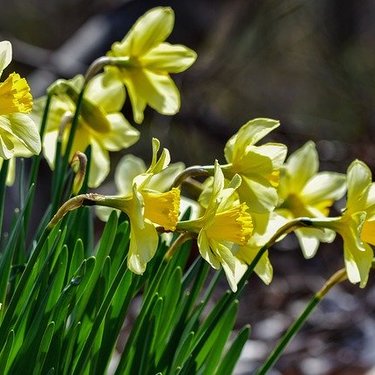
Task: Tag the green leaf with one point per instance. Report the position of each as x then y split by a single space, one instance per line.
115 318
77 258
43 348
210 353
230 359
6 350
105 245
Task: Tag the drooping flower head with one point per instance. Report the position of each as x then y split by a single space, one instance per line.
225 225
19 135
357 224
150 61
258 166
145 196
100 125
305 192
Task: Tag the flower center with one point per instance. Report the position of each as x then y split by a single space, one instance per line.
162 208
234 225
15 95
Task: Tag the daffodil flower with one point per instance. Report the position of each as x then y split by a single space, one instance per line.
145 198
357 224
225 225
257 165
19 135
305 192
101 124
149 61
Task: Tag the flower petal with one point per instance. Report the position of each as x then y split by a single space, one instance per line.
157 90
205 250
109 94
359 182
150 30
260 196
324 186
24 131
249 134
302 165
121 135
127 169
143 245
99 167
358 263
163 180
5 55
169 58
310 238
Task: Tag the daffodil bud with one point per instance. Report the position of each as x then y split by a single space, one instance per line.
78 164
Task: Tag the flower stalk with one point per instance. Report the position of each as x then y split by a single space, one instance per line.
335 279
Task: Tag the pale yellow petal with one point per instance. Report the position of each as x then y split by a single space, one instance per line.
99 167
26 131
205 250
122 134
5 55
49 147
249 134
260 196
359 181
358 262
150 30
157 90
137 102
310 238
163 180
142 248
127 169
263 268
302 165
324 186
169 58
109 94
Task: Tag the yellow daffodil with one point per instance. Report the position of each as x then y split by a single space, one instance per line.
145 198
257 165
149 61
225 225
19 135
305 192
357 224
101 124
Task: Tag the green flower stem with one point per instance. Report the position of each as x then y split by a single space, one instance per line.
8 314
101 62
37 159
3 178
89 199
60 169
36 163
181 239
193 171
291 226
336 278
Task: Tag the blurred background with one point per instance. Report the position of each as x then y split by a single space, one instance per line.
310 64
